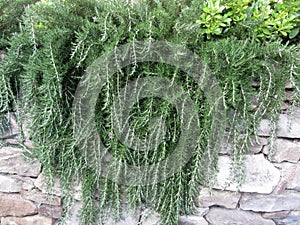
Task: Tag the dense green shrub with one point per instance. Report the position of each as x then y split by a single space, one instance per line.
10 17
59 39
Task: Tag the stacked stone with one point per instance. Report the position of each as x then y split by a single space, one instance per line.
24 198
270 194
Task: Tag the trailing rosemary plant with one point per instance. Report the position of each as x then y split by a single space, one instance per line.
59 39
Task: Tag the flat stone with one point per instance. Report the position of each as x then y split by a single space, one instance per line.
201 211
150 217
292 219
28 220
260 175
276 215
14 205
288 175
41 183
41 198
9 185
27 182
287 150
283 125
128 217
221 216
289 200
192 220
75 211
294 183
50 211
12 162
226 146
225 199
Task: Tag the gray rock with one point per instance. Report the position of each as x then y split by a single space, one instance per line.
287 150
128 217
289 200
260 175
292 219
283 124
225 199
12 162
201 211
28 220
150 217
192 220
294 183
220 216
290 177
41 183
75 211
9 185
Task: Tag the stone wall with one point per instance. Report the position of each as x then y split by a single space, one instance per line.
270 194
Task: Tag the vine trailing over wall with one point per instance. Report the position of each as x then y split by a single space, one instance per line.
58 40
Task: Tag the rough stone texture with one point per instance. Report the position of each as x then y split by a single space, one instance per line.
276 215
226 147
192 220
201 211
294 132
50 211
292 219
40 183
286 151
128 217
288 174
289 200
14 205
260 175
13 130
150 217
75 210
11 161
256 148
220 216
294 183
27 182
9 185
29 220
225 199
41 198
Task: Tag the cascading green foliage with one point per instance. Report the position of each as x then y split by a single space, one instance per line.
59 39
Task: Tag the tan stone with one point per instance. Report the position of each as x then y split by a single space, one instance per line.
276 215
50 211
41 198
28 220
14 205
227 199
12 162
9 185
